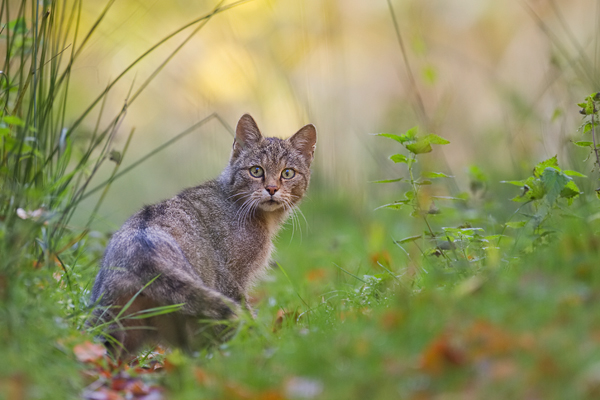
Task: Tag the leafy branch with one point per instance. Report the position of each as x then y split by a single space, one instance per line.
590 109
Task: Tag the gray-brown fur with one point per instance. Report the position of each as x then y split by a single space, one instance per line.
208 244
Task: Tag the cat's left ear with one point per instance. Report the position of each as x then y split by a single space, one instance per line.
246 134
305 141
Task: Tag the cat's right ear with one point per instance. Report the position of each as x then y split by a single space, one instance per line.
246 134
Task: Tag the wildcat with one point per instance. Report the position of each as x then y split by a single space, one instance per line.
205 247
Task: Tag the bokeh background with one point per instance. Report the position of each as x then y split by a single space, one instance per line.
499 79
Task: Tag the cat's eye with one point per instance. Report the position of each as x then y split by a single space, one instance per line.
256 171
288 173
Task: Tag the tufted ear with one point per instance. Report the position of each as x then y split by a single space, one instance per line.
246 135
305 141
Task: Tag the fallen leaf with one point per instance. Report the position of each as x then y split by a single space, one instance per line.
89 352
284 315
119 384
391 319
503 370
137 388
315 274
486 340
235 391
202 377
441 353
14 387
102 394
382 257
270 395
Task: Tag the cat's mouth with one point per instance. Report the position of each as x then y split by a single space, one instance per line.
270 205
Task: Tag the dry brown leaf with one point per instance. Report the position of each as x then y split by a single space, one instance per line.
440 354
315 274
391 319
89 352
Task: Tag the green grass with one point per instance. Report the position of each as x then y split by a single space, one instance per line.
525 326
346 312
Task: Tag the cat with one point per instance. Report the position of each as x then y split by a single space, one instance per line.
205 247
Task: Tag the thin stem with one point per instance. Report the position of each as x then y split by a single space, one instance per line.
594 136
411 77
416 205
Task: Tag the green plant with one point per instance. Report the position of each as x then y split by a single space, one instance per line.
544 191
590 110
462 245
49 155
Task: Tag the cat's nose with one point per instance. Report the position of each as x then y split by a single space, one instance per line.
271 189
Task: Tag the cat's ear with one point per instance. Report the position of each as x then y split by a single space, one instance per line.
246 134
305 141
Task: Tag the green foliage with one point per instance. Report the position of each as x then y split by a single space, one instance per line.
48 157
548 184
590 109
455 246
470 303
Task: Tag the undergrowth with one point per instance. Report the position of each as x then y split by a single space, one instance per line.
49 156
442 298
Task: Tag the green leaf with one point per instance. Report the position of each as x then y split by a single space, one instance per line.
583 144
409 239
419 147
409 136
399 158
463 196
516 224
388 180
397 138
423 145
475 173
554 182
12 120
17 25
516 183
588 126
433 175
435 139
570 191
569 172
4 132
13 145
551 162
395 205
533 189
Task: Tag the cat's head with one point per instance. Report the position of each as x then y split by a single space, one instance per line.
269 174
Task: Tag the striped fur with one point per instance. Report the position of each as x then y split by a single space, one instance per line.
207 245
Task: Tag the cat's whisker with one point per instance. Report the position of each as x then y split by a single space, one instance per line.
289 209
303 216
243 211
292 210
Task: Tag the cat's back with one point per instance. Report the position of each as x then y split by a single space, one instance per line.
190 212
186 226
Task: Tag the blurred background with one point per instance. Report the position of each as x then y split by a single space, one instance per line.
500 80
